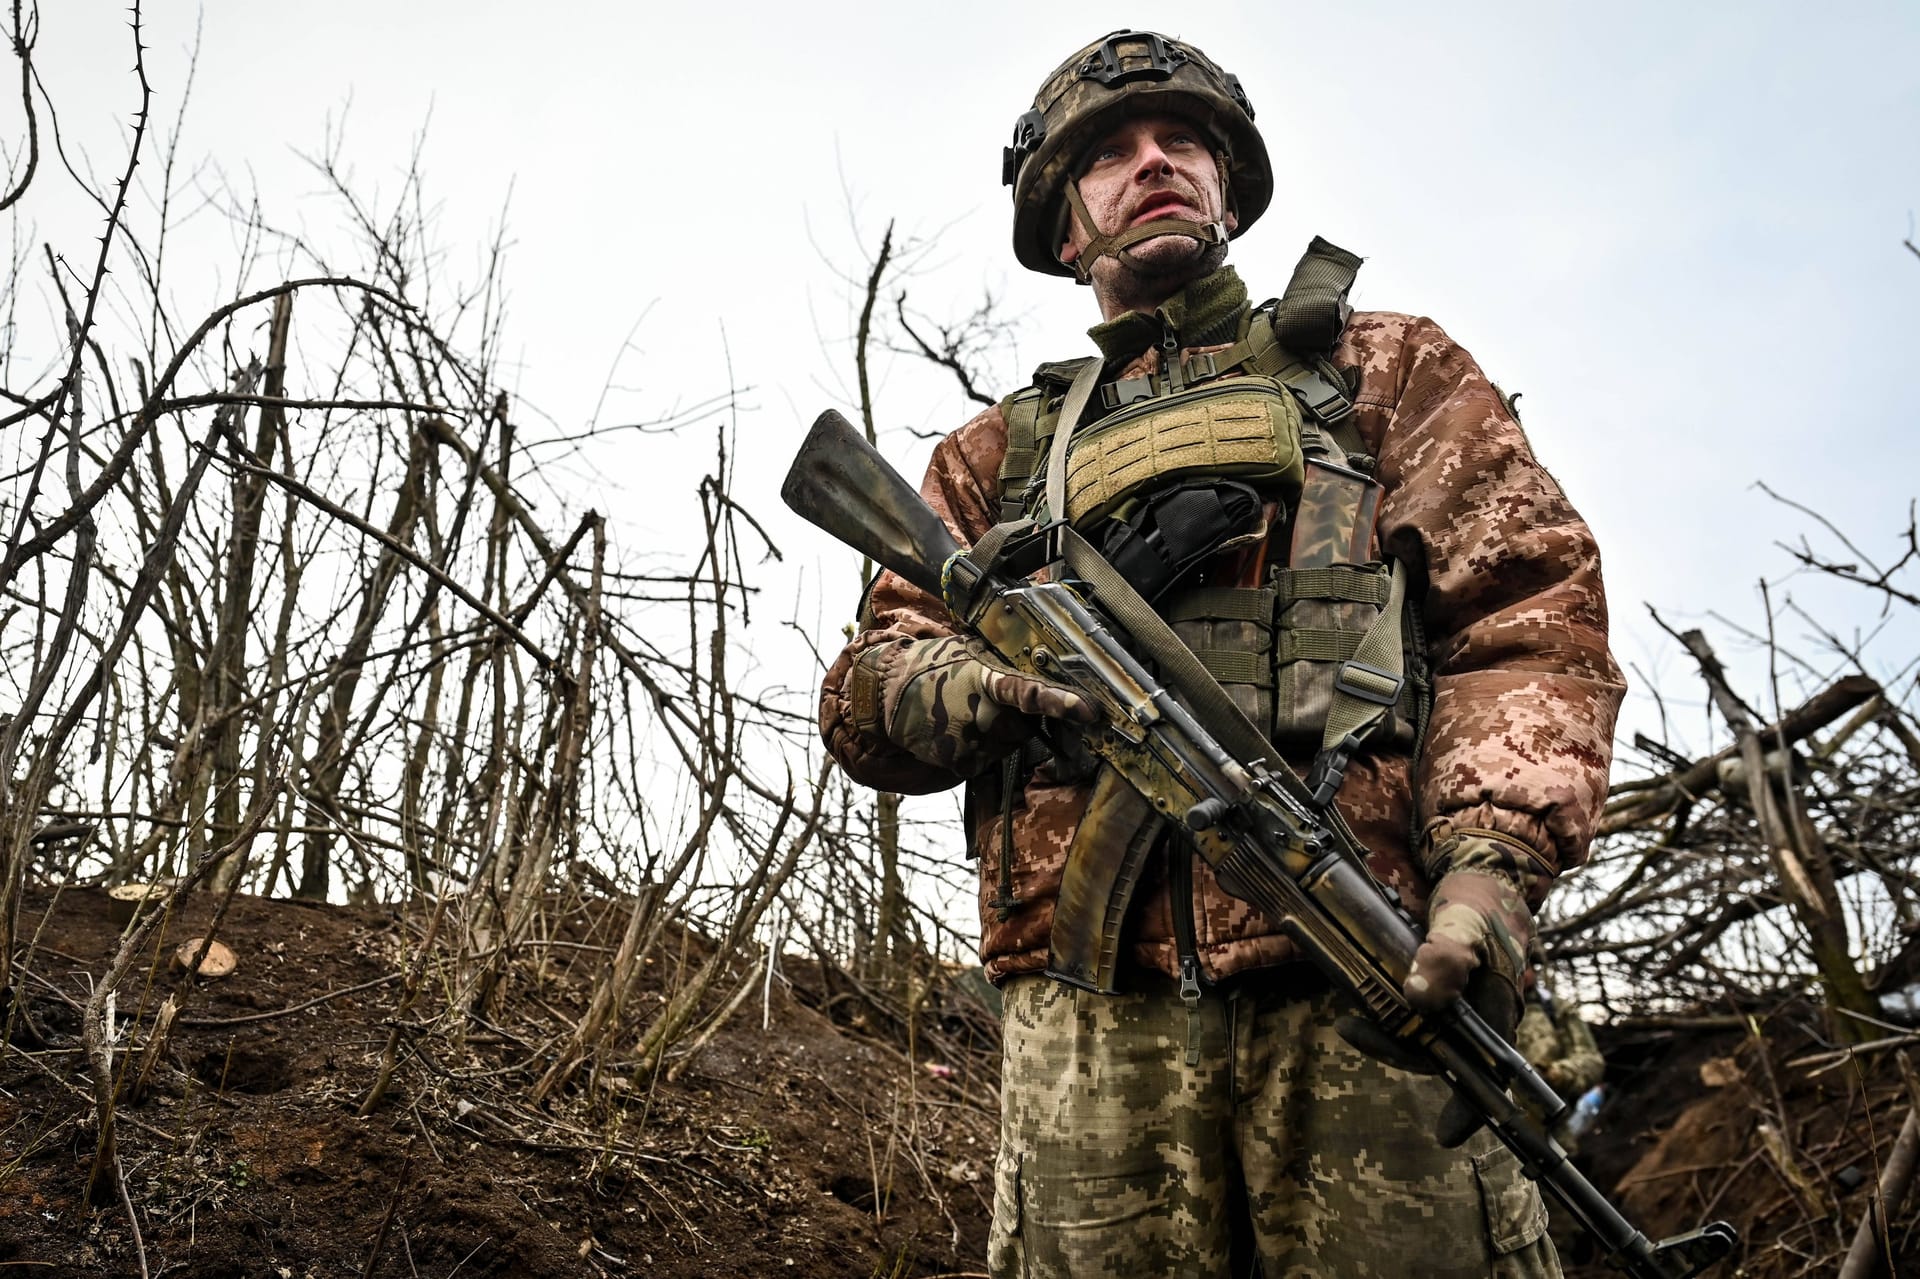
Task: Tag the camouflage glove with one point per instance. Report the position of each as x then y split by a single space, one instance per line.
951 702
1478 926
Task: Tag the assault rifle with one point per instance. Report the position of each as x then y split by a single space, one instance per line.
1268 840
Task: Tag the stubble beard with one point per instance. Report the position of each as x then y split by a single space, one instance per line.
1142 277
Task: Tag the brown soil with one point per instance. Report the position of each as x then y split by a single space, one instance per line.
767 1156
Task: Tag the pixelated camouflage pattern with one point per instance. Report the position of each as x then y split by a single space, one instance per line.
1525 689
1077 110
1559 1044
1120 1160
1204 633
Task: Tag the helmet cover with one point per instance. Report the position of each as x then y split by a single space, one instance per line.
1121 76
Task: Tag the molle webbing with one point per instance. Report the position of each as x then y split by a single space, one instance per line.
1239 428
1356 583
1229 603
1033 415
1338 657
1230 629
1030 415
1021 413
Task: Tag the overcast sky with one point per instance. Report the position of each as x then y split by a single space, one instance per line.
1676 229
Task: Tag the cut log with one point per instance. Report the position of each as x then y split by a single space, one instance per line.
219 961
125 900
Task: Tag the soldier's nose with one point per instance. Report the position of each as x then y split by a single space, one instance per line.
1153 161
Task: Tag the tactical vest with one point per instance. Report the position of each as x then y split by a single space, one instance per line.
1293 651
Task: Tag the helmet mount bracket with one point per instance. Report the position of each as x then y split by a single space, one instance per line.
1103 65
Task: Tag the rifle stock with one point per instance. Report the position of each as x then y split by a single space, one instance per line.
840 483
1268 842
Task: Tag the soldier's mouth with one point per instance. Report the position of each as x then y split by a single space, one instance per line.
1160 206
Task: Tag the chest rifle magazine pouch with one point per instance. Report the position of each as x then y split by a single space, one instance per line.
1328 595
1231 630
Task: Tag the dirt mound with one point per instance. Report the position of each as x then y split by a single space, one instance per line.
1775 1132
815 1147
803 1149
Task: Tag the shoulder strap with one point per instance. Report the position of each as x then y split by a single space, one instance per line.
1070 413
1288 338
1029 425
1369 682
1021 410
1316 383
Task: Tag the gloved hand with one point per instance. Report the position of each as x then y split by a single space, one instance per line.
953 703
1478 927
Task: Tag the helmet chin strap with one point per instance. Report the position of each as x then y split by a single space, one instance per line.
1117 244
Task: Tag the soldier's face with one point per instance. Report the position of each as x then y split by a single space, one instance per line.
1148 168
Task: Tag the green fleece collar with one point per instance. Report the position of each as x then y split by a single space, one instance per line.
1206 312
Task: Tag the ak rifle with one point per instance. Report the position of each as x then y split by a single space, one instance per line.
1254 821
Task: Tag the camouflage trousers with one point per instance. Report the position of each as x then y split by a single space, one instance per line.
1281 1153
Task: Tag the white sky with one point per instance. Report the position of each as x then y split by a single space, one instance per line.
1676 228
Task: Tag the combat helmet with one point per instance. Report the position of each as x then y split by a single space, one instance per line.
1122 75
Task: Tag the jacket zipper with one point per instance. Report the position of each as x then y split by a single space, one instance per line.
1181 890
1170 358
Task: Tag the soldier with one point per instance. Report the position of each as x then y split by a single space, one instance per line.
1556 1041
1340 515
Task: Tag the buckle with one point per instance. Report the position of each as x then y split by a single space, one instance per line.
1330 769
1368 683
1327 402
1121 392
1031 550
1201 367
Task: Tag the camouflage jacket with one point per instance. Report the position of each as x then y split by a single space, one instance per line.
1526 691
1557 1042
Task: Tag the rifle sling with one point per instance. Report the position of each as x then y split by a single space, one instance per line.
1202 693
1190 678
1097 886
1074 408
1120 827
